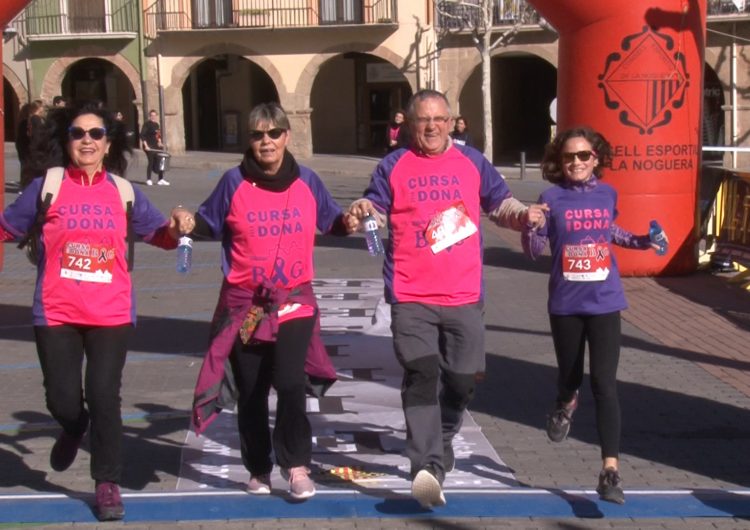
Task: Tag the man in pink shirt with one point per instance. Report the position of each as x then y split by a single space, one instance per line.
432 194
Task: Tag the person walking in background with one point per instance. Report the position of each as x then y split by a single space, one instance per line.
83 304
460 133
151 143
58 101
585 291
397 122
432 195
265 211
29 126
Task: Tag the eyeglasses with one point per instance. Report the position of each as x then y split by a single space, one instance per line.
273 134
583 156
421 120
95 133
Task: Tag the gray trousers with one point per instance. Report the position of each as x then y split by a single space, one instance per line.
440 348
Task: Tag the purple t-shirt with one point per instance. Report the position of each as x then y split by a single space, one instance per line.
412 189
579 227
268 234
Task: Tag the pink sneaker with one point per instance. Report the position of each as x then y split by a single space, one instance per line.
259 484
109 502
300 484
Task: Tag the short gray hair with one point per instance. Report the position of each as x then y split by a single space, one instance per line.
268 113
422 95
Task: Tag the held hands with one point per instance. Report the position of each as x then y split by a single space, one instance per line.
358 210
535 215
181 222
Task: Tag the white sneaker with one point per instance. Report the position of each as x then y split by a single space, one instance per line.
427 490
149 183
163 182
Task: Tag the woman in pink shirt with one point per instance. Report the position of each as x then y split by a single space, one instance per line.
84 299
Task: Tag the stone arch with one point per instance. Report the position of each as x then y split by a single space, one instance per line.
307 78
56 73
16 84
182 69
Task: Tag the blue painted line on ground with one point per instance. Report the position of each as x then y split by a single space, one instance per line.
513 502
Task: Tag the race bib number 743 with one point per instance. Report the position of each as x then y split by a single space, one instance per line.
588 262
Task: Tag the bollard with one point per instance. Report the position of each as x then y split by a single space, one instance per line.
523 164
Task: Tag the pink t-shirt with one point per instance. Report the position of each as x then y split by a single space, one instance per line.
413 189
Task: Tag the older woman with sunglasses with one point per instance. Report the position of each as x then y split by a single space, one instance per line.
84 299
585 291
266 211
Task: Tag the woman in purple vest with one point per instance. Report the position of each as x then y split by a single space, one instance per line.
585 292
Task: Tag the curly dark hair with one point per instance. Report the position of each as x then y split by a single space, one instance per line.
49 147
551 161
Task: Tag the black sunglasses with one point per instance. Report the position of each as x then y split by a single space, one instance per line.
273 134
583 156
95 133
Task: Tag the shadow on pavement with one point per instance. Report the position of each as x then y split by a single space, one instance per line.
677 430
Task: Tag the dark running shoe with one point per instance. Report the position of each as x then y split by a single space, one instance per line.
64 451
610 486
558 422
109 502
427 490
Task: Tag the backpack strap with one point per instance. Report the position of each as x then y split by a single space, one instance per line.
50 188
127 196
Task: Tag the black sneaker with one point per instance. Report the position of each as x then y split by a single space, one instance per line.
610 486
449 458
427 490
558 422
64 451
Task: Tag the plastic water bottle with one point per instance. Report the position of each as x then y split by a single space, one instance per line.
657 236
184 255
372 235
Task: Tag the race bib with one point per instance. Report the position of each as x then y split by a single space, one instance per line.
87 263
588 262
449 227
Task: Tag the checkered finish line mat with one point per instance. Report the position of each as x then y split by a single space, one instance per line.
358 428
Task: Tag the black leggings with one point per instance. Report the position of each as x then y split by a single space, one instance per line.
61 350
256 368
602 332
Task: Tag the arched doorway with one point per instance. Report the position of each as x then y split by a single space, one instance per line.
10 110
367 91
100 80
523 86
218 96
713 115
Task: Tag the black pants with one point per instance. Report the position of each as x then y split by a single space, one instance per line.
602 332
61 351
256 368
150 156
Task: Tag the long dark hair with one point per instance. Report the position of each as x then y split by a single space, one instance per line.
49 147
551 162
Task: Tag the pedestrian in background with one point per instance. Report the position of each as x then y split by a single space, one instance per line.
585 291
460 133
265 212
394 127
30 125
151 143
432 195
83 304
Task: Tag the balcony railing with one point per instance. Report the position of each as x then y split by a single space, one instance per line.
728 7
47 19
460 16
206 14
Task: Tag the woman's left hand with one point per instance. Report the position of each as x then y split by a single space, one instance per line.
351 222
181 222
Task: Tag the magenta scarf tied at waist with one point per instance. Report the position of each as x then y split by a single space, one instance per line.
215 388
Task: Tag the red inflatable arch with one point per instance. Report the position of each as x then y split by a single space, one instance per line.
633 69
